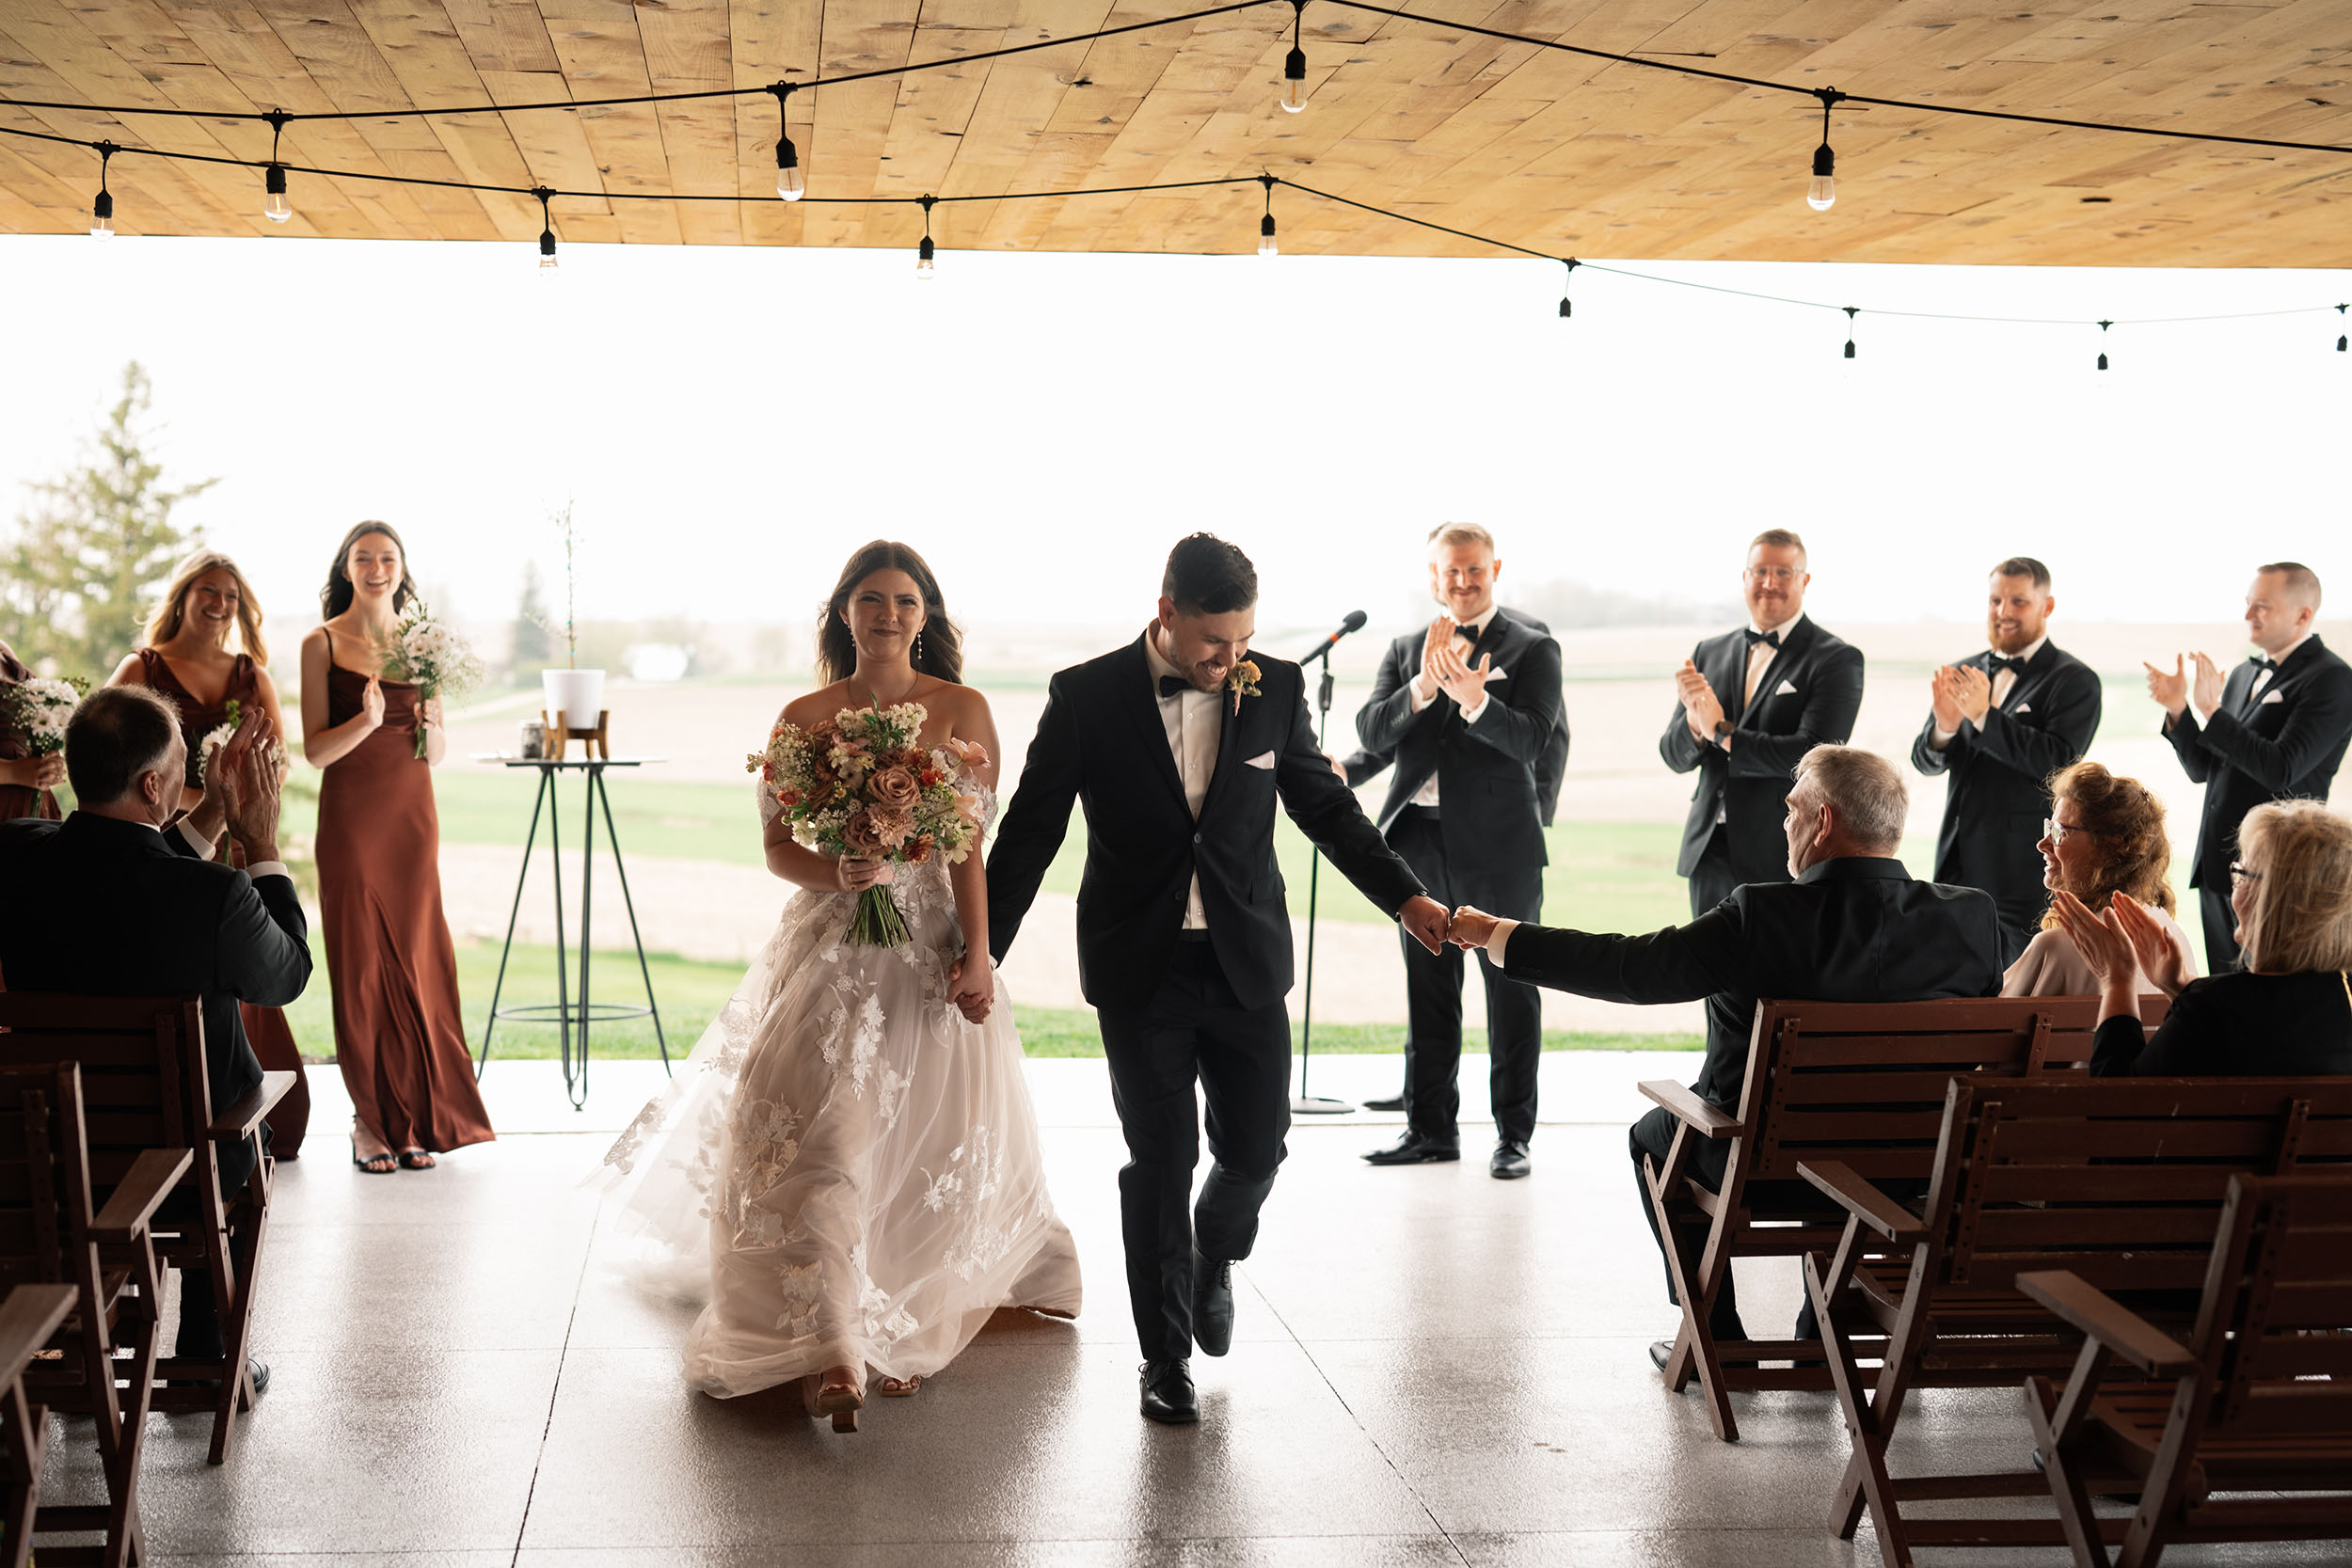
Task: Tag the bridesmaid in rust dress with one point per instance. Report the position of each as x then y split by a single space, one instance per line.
26 782
399 1035
185 655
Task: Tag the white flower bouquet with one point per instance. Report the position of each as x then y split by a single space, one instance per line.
42 708
427 655
859 785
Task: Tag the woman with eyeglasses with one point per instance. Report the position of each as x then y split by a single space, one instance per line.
2288 1013
2104 835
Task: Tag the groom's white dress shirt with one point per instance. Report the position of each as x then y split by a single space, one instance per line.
1192 726
1476 627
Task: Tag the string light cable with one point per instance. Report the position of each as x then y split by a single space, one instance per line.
275 206
1852 311
923 269
1265 226
101 211
546 232
791 184
1294 63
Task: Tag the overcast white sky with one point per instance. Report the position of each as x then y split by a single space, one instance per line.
730 422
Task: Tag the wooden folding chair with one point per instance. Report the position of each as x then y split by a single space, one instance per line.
1861 1083
30 1316
2120 1179
143 1076
49 1237
2254 1402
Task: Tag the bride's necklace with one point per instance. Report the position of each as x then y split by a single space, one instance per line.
873 695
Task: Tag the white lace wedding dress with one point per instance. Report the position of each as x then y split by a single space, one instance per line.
846 1172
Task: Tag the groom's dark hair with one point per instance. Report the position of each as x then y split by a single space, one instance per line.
1206 576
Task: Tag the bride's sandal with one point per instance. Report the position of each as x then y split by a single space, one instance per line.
841 1401
901 1387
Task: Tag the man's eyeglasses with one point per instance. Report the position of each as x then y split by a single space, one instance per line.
1773 573
2239 875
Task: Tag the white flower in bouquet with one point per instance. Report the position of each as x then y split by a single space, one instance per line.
41 710
217 737
427 655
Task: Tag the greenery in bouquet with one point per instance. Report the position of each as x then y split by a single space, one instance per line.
426 653
859 785
41 709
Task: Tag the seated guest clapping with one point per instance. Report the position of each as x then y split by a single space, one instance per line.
2288 1013
120 899
1853 926
2105 835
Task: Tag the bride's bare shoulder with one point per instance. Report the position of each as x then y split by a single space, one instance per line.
815 707
957 703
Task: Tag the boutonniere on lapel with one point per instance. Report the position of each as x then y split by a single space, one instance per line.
1243 682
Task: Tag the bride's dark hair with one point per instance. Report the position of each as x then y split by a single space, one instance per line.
940 648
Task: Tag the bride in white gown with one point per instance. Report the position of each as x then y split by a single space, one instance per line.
846 1172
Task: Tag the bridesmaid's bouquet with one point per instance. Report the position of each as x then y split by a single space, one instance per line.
39 709
859 785
219 737
425 654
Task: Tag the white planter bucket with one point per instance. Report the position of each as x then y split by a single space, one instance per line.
577 694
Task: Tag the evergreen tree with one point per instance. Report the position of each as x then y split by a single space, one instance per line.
530 624
87 560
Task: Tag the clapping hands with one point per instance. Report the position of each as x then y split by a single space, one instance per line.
1701 708
2124 944
1441 661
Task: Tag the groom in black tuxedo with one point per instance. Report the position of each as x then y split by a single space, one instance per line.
1467 709
1178 746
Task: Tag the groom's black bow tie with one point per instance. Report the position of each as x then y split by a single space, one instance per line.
1995 664
2263 661
1174 686
1771 638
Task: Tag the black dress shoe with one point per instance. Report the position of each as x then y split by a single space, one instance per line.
1168 1396
1394 1102
1414 1150
1510 1161
1212 1304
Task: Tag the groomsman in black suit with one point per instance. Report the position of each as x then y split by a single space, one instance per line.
1751 704
2000 723
1467 708
2275 729
1179 746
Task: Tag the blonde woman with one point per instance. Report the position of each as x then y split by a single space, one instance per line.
203 649
2288 1013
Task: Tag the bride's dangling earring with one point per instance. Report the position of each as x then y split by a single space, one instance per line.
919 648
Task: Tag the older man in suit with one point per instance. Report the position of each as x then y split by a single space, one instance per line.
1751 703
1853 927
123 898
2001 723
2274 729
1467 709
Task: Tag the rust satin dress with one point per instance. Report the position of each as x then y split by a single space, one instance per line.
18 800
399 1035
265 1028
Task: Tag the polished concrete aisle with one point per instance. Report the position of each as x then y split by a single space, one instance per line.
1431 1366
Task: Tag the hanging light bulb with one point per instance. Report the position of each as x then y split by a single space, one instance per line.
1572 265
547 234
2102 344
1850 310
275 206
925 254
1822 195
1294 63
791 184
2342 341
101 211
1265 224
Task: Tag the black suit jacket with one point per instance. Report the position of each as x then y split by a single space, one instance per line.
1490 772
1101 743
104 908
1550 767
1848 930
1807 697
2000 791
2239 1025
2286 750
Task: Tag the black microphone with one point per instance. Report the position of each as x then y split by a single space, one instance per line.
1355 622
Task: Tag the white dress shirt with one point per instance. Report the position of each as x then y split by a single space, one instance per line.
2003 684
1193 725
1476 627
2262 676
204 848
1761 657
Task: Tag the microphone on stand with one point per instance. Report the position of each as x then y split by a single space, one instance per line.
1355 622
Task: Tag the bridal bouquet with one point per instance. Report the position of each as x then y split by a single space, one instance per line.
428 656
858 786
40 708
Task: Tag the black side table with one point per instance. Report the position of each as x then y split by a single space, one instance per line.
564 1012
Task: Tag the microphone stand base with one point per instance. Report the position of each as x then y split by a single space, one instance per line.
1317 1105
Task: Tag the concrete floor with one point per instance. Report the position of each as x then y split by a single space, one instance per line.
1431 1366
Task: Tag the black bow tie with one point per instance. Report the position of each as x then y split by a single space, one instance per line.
1174 686
1469 634
2263 661
1770 639
1995 664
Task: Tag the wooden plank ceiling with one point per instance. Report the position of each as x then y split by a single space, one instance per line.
1557 153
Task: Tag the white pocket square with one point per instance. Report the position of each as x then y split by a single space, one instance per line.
2022 707
1786 688
2270 697
1498 675
1263 759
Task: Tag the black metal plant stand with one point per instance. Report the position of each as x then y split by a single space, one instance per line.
564 1012
1306 1104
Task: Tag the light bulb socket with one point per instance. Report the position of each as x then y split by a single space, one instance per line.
273 181
1850 348
103 210
1824 161
1564 307
2103 361
547 242
1295 66
787 156
1265 227
2341 343
924 252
